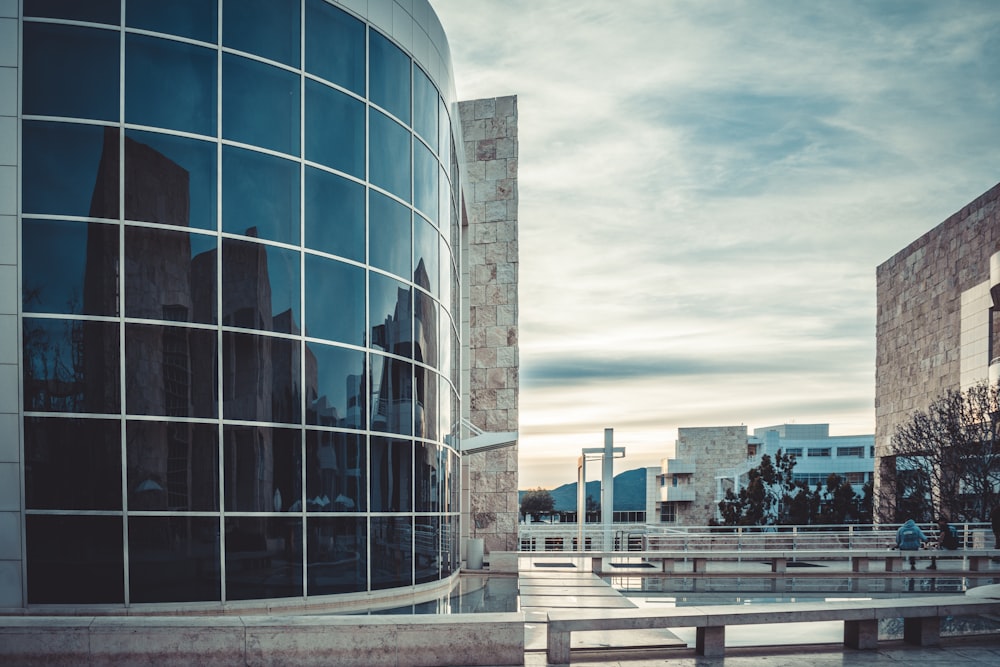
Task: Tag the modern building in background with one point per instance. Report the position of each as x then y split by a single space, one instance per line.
937 326
708 461
232 366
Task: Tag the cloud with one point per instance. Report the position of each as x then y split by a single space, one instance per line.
706 189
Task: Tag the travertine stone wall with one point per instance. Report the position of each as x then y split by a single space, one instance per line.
711 449
490 273
919 318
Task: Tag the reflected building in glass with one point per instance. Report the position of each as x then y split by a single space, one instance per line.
233 369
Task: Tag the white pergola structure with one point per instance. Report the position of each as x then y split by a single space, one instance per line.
606 454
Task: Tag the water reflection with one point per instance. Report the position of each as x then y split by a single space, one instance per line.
472 594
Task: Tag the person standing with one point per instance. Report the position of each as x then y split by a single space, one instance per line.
909 537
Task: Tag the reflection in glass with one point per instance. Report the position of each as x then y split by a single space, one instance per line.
335 472
169 275
170 180
335 46
339 144
426 548
72 464
389 155
425 254
260 195
56 255
444 340
75 559
450 560
444 200
335 300
392 551
94 11
196 19
389 76
390 312
335 386
260 286
71 366
444 135
263 469
335 215
392 395
391 474
425 180
70 71
428 478
172 466
444 273
425 330
263 557
62 161
389 235
260 104
173 559
260 378
425 418
425 108
170 371
188 103
338 555
268 28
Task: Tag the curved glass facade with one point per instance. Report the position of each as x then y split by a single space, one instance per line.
239 304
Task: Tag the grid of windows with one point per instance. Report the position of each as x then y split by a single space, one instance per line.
239 304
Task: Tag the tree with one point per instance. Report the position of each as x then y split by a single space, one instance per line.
537 502
767 494
947 459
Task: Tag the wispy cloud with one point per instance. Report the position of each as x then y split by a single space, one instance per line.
705 191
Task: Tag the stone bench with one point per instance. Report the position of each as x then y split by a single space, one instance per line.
921 620
412 640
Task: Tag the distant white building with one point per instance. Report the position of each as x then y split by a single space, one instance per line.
708 461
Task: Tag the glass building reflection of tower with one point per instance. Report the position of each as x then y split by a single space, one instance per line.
239 293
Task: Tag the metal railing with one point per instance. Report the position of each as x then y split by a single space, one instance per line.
657 537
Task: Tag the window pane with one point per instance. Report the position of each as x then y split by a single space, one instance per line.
72 464
425 108
75 559
392 551
390 312
260 286
260 378
444 200
263 557
263 469
335 386
169 275
392 395
173 559
335 300
61 260
260 195
389 82
444 274
170 371
335 472
425 254
425 330
188 103
444 344
268 28
173 466
338 554
335 129
428 478
390 155
425 423
426 548
389 242
71 366
425 180
70 71
70 169
444 132
335 46
335 215
260 105
196 19
391 475
170 180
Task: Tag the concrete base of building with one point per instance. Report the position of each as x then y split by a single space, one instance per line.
397 641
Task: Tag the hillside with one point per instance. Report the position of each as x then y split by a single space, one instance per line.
630 492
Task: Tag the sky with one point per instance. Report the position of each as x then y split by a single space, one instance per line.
705 190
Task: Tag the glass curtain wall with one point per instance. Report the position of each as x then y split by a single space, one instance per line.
239 304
